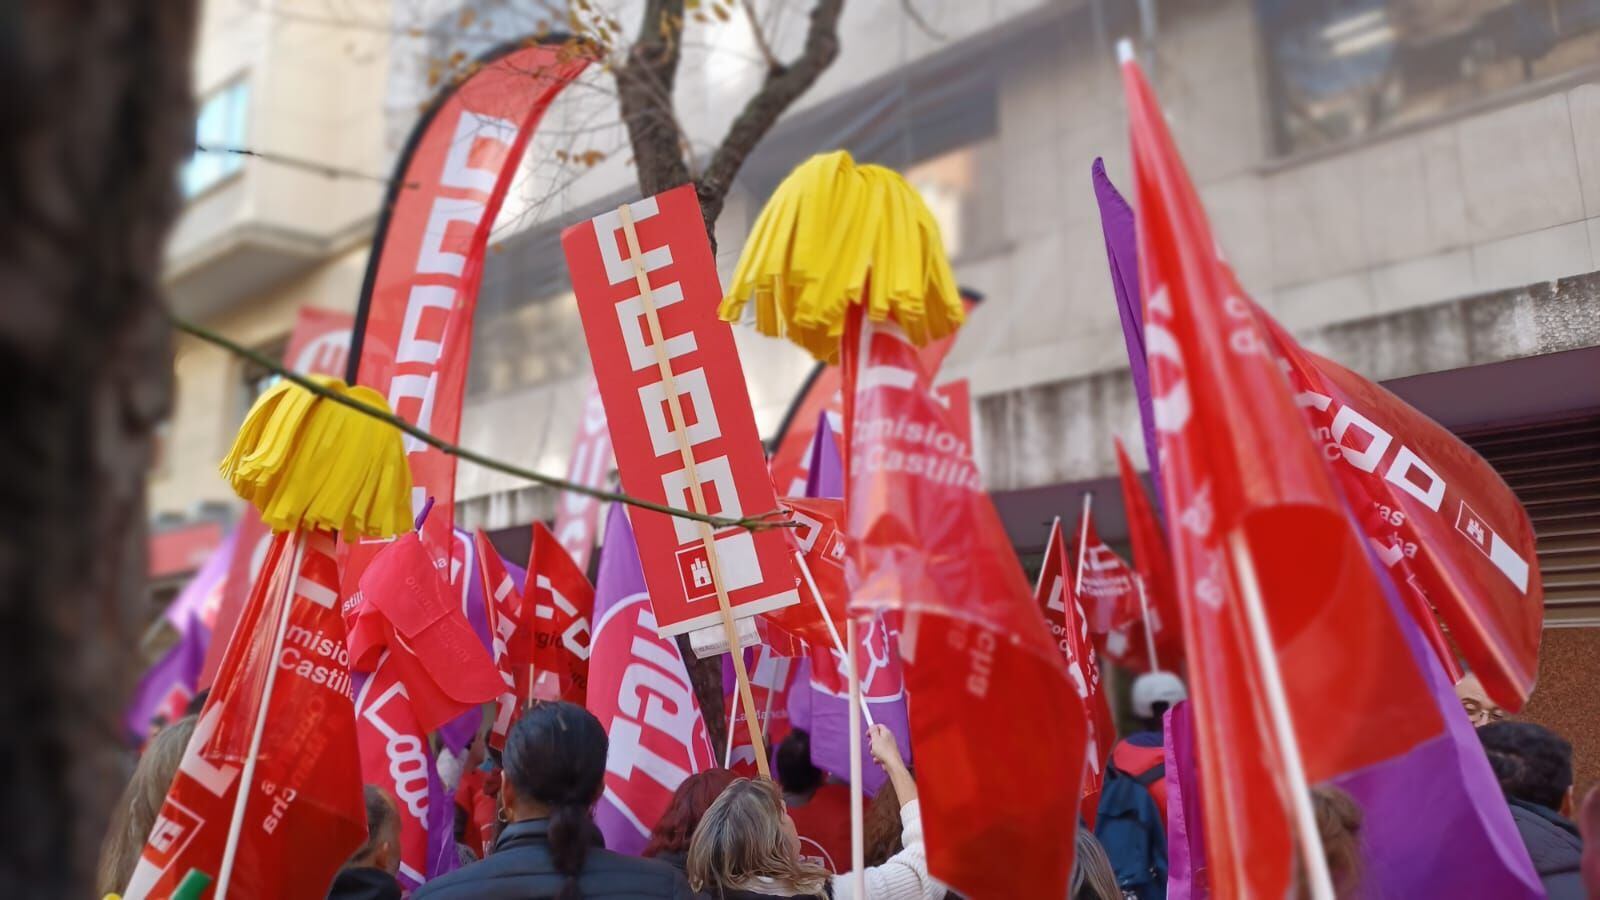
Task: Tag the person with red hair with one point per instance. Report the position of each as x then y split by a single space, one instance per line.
669 841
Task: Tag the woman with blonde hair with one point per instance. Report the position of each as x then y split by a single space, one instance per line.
135 814
746 846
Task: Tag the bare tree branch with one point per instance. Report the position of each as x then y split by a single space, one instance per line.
644 91
767 55
782 86
916 17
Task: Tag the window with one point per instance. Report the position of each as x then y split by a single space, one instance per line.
220 125
1341 69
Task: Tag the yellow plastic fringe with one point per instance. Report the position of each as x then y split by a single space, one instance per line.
306 461
834 234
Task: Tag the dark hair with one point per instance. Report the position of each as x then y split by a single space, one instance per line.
795 772
1532 763
556 755
197 703
689 804
383 820
881 827
1339 821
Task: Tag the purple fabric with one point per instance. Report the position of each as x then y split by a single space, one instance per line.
1436 823
179 669
826 716
458 732
825 475
187 608
442 856
1186 848
620 576
1121 233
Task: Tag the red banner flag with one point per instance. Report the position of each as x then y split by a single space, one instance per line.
578 515
414 332
394 756
820 543
405 607
991 696
509 630
304 814
1064 612
1298 667
561 602
771 677
319 344
1104 582
1152 563
1441 517
696 349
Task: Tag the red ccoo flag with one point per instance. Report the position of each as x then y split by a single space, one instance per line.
1152 563
513 646
1103 581
1064 612
305 815
1299 669
992 697
560 602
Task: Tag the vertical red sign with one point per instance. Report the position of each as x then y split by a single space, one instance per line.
718 423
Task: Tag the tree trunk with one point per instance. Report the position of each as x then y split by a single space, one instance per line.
98 116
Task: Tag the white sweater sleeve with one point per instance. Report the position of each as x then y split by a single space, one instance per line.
903 876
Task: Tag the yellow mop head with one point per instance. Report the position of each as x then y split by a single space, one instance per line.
308 462
835 234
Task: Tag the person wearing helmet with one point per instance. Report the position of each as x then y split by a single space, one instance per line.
1130 821
1140 755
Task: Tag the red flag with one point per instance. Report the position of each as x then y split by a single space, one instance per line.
560 601
1260 532
304 815
513 644
394 755
992 698
771 678
1063 610
1152 562
405 606
1104 582
820 543
1440 516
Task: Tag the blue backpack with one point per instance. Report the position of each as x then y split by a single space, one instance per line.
1128 824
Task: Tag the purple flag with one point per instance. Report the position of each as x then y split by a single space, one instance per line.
1436 823
442 856
1186 847
458 732
1122 252
826 715
170 682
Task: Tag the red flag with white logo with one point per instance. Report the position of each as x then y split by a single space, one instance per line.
304 815
560 601
405 607
1152 563
1064 612
1266 555
1440 517
395 757
1104 581
771 678
991 696
820 543
513 645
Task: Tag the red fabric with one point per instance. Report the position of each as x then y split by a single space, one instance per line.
821 544
1255 514
478 795
824 826
925 540
1136 761
1064 612
558 613
394 756
305 815
591 462
1152 563
1455 535
405 608
1105 584
509 629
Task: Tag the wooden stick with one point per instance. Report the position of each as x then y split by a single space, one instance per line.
1149 634
1311 850
1038 583
858 846
697 494
246 779
1083 544
833 630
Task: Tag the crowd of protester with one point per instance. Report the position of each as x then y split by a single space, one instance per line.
524 822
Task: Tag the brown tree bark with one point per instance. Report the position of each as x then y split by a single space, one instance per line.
98 116
644 88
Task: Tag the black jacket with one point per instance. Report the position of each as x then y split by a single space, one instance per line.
520 868
364 883
1554 846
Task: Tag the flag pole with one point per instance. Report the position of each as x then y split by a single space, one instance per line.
727 751
1144 613
858 852
1055 526
1083 544
247 777
696 491
833 630
1310 839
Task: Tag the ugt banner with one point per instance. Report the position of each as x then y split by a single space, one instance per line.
719 427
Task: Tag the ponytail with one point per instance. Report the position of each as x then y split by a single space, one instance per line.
572 832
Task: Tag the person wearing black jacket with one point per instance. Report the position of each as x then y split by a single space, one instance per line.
555 763
1534 767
